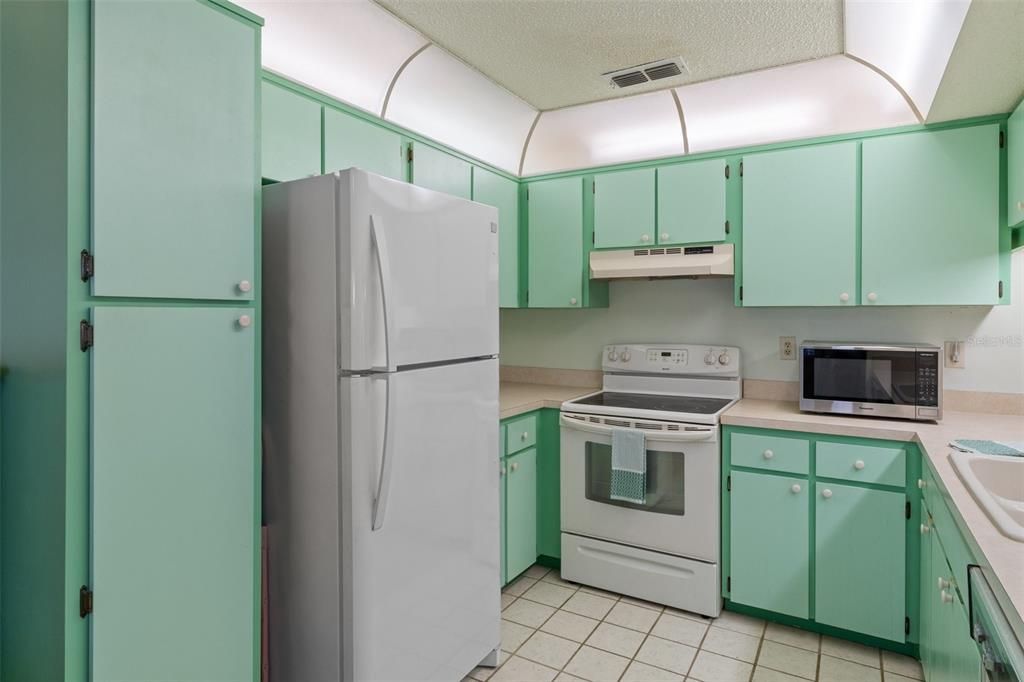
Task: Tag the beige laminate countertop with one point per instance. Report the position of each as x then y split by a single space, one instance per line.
516 398
1001 558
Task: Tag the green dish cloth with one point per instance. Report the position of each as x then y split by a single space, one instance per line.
989 447
629 466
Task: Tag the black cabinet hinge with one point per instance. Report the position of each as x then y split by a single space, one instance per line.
741 169
908 510
84 602
1002 139
906 625
85 334
408 154
741 293
728 583
593 186
1000 288
728 483
727 227
726 171
87 266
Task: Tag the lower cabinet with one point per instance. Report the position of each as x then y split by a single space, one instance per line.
520 512
826 546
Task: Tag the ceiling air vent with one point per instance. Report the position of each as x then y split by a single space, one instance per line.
644 73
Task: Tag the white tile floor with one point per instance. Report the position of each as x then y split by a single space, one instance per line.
555 630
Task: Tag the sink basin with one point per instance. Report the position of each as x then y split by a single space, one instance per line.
997 483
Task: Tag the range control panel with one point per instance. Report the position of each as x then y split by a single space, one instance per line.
672 358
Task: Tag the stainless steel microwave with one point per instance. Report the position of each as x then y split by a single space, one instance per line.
902 381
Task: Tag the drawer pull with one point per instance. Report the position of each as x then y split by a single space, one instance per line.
943 584
514 466
925 528
858 465
921 484
795 488
946 597
768 454
524 436
826 493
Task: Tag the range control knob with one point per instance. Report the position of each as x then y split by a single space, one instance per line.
612 355
625 355
709 357
724 359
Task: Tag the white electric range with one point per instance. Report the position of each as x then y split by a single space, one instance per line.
665 550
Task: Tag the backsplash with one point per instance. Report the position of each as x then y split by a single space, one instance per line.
701 311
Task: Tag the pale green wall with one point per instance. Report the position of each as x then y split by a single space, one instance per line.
701 311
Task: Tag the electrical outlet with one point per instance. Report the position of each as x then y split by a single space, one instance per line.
787 348
954 353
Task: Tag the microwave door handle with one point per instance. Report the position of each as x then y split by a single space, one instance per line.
387 457
679 437
380 250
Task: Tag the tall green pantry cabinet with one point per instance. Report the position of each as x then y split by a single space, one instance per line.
129 322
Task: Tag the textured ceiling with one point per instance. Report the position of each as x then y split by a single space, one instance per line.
985 74
552 52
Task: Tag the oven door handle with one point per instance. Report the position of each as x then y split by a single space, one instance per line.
675 436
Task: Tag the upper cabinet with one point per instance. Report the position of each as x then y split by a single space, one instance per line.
502 193
930 218
350 141
175 151
691 202
290 134
1015 167
556 243
440 171
624 209
800 227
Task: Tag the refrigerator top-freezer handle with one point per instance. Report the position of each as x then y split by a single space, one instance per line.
380 245
380 500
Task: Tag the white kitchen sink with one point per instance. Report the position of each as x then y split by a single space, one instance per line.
997 483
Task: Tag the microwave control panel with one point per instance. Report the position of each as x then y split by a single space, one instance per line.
928 379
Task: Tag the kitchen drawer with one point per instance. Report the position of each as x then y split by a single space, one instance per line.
520 433
773 453
881 464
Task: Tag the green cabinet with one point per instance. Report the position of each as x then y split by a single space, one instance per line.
174 527
624 209
350 141
768 548
1015 167
800 227
175 150
555 243
860 560
931 218
502 193
290 135
440 171
520 512
692 202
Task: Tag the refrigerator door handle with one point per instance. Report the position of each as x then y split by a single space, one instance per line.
380 244
380 500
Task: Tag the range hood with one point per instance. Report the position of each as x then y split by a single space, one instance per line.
672 261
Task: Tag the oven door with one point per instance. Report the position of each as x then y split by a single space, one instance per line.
680 515
876 381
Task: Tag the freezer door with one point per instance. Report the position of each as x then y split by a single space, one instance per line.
418 274
420 573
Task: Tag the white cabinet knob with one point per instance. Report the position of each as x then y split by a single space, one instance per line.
844 297
244 321
947 597
572 301
245 286
826 493
943 583
515 465
872 296
1020 205
921 484
524 436
501 471
664 236
795 488
925 528
858 465
768 454
645 238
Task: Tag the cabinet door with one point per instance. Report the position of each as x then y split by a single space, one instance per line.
175 176
931 636
930 218
624 209
492 189
520 512
964 657
860 560
349 141
442 172
555 243
1015 167
691 202
800 227
769 542
174 484
290 134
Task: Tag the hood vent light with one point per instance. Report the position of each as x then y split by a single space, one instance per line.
645 73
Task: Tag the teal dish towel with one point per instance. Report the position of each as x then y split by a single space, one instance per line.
989 447
629 466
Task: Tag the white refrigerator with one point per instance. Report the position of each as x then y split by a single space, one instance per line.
380 414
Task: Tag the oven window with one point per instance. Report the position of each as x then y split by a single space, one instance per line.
665 493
